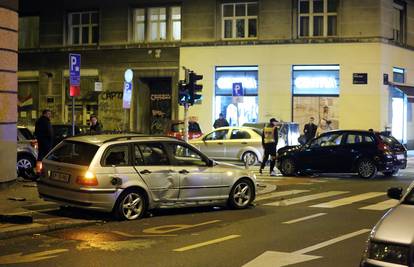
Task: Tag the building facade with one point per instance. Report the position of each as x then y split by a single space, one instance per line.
347 61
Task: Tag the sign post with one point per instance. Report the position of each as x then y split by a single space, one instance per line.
127 96
74 82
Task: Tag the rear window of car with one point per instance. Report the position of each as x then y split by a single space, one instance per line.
72 152
26 133
389 140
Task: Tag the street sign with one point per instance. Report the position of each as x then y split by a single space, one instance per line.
238 89
126 101
98 86
74 74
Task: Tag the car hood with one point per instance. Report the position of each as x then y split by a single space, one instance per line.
289 149
396 226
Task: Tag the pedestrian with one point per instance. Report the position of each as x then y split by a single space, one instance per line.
309 130
44 134
269 141
323 127
221 122
96 127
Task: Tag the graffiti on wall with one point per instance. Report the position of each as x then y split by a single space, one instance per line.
110 110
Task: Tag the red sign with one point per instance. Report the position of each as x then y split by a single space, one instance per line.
74 90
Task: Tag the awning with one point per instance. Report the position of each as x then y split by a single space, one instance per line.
406 89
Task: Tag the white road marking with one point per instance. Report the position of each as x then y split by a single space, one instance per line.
384 205
280 194
163 229
348 200
288 202
37 256
305 218
132 235
332 241
203 244
280 259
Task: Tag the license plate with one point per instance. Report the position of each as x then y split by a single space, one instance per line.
60 177
400 156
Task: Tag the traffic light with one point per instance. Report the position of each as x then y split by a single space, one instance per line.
193 87
183 93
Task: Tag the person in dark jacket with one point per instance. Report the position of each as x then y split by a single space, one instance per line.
309 130
95 127
44 134
270 138
221 122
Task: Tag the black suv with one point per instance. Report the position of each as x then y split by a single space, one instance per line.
345 151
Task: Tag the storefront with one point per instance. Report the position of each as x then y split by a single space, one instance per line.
236 94
315 93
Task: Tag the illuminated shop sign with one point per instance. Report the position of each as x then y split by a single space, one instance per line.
245 76
316 80
226 82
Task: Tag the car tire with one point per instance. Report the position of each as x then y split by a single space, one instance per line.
367 169
390 173
130 205
249 158
24 164
288 167
241 194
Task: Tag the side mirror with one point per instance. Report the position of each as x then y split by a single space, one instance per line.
395 193
210 163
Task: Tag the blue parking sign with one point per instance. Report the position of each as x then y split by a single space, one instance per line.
74 69
238 89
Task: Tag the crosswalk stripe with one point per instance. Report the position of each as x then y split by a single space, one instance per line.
288 202
348 200
305 218
384 205
280 194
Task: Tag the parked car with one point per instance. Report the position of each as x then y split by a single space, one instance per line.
26 151
62 131
345 151
128 174
232 143
289 132
176 129
391 240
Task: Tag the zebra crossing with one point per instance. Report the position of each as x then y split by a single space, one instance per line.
295 197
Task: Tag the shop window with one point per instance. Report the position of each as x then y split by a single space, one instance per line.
83 28
157 24
398 75
236 94
239 20
29 32
317 18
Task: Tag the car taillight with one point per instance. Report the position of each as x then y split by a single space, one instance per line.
33 143
383 147
88 179
39 167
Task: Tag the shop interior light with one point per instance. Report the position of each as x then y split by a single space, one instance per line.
398 70
237 68
316 67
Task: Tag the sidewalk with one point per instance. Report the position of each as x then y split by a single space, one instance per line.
23 212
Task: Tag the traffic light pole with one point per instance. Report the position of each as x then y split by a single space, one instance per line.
186 105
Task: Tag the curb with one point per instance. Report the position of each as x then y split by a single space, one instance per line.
37 228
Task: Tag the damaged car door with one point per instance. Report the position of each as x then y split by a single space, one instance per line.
153 165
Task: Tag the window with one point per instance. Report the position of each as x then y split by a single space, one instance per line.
239 20
157 24
28 32
184 156
398 75
73 153
153 154
327 140
116 156
359 138
317 18
83 28
398 26
217 135
239 134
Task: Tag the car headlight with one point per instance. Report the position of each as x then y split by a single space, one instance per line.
388 253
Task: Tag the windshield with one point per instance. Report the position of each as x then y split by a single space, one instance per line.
74 153
409 199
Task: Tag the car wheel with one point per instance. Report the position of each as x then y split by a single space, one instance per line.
249 158
131 205
241 195
24 164
288 167
367 169
390 173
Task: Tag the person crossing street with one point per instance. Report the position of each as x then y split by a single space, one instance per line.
269 141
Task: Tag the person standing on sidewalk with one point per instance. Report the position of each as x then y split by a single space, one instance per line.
269 141
96 127
44 134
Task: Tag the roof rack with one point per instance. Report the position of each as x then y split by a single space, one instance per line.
135 136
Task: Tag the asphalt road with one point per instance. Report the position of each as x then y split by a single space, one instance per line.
308 221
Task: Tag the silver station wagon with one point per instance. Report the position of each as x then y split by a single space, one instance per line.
128 174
